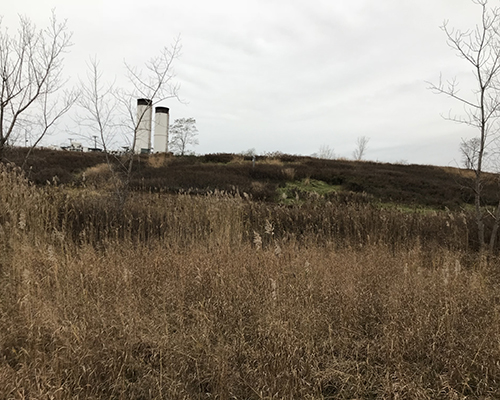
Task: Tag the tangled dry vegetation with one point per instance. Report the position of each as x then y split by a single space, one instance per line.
218 296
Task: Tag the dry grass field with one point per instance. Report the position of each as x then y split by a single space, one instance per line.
216 295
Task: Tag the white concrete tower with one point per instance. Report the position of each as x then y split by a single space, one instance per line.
143 128
161 129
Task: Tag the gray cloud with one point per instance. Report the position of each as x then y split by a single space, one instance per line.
287 76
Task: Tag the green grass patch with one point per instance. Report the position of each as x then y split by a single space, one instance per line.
294 192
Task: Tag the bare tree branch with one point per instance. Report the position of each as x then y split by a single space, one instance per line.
50 114
31 65
109 111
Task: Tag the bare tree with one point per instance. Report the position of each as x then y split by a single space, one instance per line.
480 48
31 65
183 133
361 147
100 107
470 153
325 152
108 111
100 115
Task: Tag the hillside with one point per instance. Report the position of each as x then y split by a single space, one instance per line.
322 289
272 178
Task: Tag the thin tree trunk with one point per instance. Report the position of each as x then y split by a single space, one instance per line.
494 231
2 149
496 224
479 212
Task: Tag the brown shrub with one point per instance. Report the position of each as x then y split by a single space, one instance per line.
159 160
98 176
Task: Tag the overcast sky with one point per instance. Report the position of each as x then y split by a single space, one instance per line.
288 76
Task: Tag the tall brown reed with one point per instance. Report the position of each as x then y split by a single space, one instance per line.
168 297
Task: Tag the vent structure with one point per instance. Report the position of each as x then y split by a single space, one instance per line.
161 129
144 124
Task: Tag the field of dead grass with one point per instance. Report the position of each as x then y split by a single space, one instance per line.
218 296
